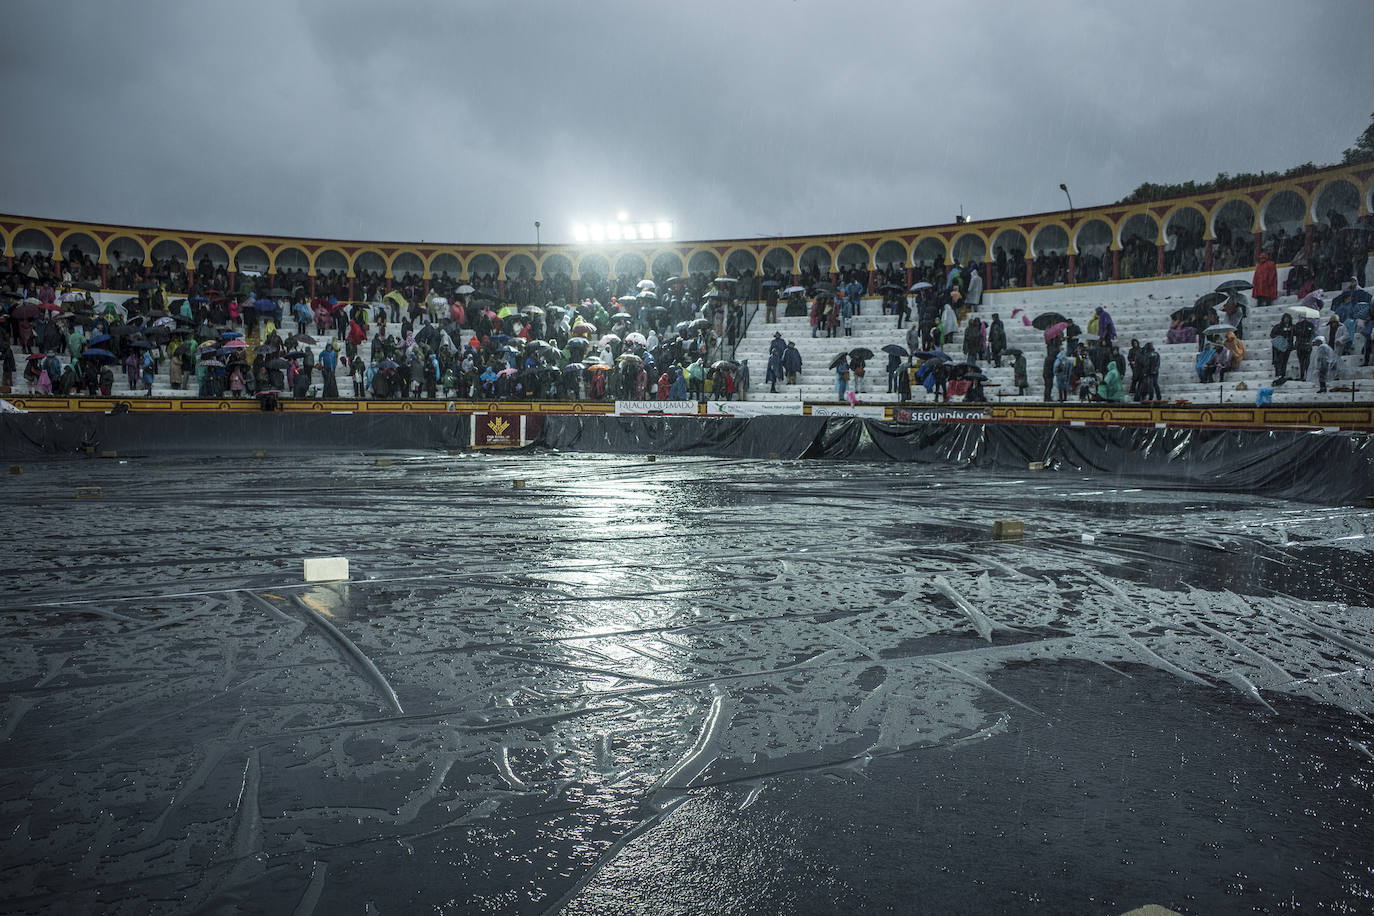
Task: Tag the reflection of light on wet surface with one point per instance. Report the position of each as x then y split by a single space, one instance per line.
626 662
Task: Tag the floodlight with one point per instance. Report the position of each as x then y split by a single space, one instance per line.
613 231
622 216
646 230
664 230
598 233
579 232
629 232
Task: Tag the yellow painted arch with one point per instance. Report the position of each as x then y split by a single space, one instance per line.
1131 214
1186 205
842 244
62 241
175 241
275 252
698 249
828 247
929 237
1255 209
1002 229
353 261
315 260
391 264
1334 179
878 245
725 260
473 255
224 246
453 252
236 249
26 225
1044 224
974 233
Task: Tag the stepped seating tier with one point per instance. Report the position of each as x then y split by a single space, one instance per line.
1146 319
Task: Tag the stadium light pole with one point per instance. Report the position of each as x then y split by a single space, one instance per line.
1065 188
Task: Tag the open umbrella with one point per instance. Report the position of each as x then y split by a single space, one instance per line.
231 335
1183 314
88 285
697 324
646 284
278 292
630 358
306 339
294 354
384 364
98 354
1044 320
1302 311
277 363
608 339
583 329
793 289
597 367
1233 286
917 287
895 350
930 354
714 294
1209 301
621 318
724 280
861 353
724 364
648 295
673 281
214 363
635 337
768 284
507 372
465 290
99 339
236 344
1221 328
1055 330
265 305
35 357
841 358
265 350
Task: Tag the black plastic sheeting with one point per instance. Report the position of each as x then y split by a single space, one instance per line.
1312 467
1328 468
735 437
58 434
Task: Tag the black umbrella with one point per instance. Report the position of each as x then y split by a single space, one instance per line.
277 363
1209 300
89 285
825 284
277 291
714 294
97 354
265 350
724 364
27 310
768 283
843 358
895 350
1183 314
725 280
1230 285
307 339
144 287
965 370
1043 322
294 354
891 288
861 353
698 323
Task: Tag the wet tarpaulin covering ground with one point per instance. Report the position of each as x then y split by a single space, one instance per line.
1315 466
687 686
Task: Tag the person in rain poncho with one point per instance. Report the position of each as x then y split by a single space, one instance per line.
1019 372
1265 282
1236 347
975 288
1110 389
329 364
1063 373
792 362
841 379
1326 364
1106 328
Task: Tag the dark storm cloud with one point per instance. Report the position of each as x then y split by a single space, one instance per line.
469 121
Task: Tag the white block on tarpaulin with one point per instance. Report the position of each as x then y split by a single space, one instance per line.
326 569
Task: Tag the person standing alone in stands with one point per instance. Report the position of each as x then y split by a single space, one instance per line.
1265 282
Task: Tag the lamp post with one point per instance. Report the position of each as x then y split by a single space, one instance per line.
1065 188
536 238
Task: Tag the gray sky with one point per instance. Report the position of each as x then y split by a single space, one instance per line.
454 121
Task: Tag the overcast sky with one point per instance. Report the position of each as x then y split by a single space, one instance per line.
458 121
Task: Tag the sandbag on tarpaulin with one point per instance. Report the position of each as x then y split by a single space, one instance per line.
756 437
227 434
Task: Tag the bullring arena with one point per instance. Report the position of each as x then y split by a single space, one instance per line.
584 646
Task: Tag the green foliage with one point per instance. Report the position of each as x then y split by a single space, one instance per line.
1362 151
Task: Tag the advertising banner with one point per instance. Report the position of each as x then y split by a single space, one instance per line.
639 408
938 414
754 408
867 411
